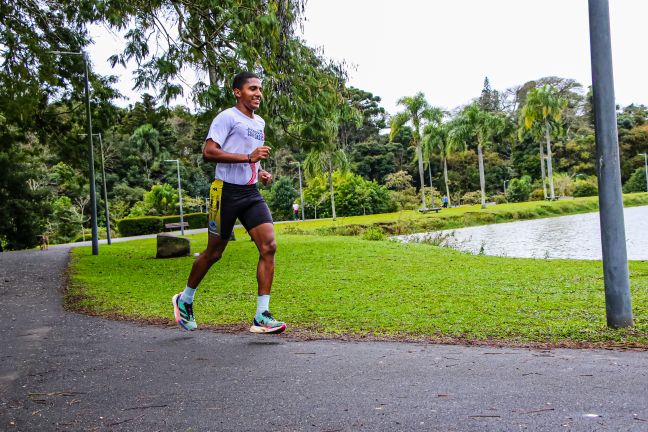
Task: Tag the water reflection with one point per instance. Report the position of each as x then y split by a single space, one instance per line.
576 237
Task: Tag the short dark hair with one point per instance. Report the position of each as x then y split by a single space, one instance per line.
241 78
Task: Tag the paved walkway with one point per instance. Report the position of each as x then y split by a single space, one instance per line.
62 371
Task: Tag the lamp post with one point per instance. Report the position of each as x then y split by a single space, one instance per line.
616 275
177 162
301 190
105 191
93 192
645 155
505 181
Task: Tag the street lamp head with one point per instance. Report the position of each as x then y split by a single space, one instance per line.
67 52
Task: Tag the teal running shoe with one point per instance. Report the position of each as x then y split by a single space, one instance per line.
265 323
183 313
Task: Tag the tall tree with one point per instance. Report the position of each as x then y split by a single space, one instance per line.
417 112
219 39
326 160
435 139
145 141
489 99
41 97
541 114
373 118
476 126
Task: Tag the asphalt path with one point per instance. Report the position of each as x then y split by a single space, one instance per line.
63 371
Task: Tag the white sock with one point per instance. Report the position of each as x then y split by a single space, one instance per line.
263 303
188 295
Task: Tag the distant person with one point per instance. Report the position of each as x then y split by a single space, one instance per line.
236 142
44 244
295 211
445 201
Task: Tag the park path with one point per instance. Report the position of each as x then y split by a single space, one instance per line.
63 371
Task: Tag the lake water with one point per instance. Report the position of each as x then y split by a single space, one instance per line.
575 237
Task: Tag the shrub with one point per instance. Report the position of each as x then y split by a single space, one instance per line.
374 233
585 187
138 226
536 194
406 199
292 229
499 198
563 184
636 182
471 198
519 189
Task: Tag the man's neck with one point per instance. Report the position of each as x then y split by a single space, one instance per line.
244 110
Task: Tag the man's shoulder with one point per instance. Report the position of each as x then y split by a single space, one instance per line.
226 113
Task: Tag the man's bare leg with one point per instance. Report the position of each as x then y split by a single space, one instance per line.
183 302
215 247
263 236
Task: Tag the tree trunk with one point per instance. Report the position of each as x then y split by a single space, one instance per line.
549 167
542 172
482 179
419 155
212 62
431 187
330 172
445 178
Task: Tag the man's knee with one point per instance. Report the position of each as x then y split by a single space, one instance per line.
268 248
213 255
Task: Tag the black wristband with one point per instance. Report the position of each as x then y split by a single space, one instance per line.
249 158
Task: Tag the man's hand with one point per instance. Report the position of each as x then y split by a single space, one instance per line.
260 153
265 177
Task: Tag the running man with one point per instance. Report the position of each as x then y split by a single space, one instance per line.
236 143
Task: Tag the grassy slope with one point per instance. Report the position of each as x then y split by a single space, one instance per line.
346 285
413 221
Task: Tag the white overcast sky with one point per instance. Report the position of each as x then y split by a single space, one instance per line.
445 48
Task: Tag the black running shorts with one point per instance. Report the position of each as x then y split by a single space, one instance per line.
230 201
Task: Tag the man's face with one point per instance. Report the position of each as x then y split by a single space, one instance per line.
250 95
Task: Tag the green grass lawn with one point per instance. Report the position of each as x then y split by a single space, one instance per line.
334 285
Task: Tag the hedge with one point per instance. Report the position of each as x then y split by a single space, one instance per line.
154 224
195 220
140 225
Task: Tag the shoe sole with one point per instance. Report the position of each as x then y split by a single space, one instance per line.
176 312
264 330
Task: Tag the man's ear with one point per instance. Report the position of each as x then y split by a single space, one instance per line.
237 93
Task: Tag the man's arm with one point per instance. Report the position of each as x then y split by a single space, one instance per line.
212 152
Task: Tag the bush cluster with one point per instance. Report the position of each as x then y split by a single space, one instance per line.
133 226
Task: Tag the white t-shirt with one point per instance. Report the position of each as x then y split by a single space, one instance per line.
237 133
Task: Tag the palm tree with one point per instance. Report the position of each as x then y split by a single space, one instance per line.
476 126
326 160
417 112
435 138
146 140
542 113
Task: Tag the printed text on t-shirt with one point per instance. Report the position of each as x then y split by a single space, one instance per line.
256 134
